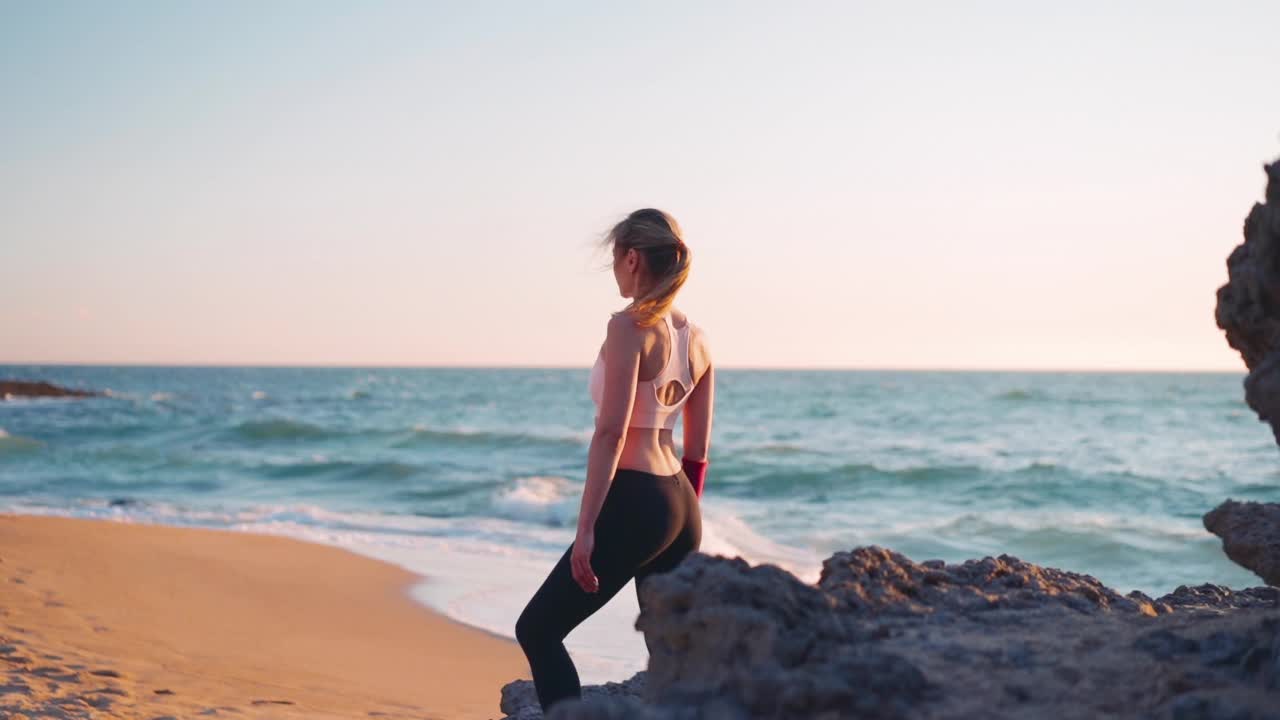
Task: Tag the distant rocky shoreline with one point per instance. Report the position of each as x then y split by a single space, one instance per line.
10 389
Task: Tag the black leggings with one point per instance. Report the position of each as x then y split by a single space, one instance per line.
647 525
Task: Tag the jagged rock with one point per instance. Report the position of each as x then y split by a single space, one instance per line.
18 388
881 636
1250 533
1217 599
768 643
1248 306
879 581
617 708
520 700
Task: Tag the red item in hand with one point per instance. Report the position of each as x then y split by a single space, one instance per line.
696 471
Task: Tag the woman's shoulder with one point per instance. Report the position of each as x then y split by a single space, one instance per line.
681 321
623 329
624 321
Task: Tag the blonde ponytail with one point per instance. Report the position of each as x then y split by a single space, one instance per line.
656 236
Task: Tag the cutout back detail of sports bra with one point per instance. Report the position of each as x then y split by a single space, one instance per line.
649 411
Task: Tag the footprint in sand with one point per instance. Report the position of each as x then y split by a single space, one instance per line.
50 672
15 686
21 661
112 691
96 701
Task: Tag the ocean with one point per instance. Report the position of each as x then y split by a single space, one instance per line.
472 476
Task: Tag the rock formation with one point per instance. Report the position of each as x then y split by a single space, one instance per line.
1249 304
881 636
1250 535
520 700
18 388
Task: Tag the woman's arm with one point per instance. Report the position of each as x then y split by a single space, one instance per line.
697 417
622 347
699 409
697 420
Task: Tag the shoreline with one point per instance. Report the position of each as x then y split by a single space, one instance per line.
153 620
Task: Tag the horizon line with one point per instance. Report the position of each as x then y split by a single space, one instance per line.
455 366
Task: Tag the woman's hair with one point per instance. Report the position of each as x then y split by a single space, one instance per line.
657 237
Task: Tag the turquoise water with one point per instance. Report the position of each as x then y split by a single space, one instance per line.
472 476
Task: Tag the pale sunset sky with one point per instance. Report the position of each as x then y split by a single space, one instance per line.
994 185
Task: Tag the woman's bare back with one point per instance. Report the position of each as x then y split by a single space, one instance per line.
653 450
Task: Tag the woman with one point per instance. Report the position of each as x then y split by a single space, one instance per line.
639 513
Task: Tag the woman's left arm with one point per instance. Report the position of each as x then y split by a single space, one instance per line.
622 367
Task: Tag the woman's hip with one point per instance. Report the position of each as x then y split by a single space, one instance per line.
639 497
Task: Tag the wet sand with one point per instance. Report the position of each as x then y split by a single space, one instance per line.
107 619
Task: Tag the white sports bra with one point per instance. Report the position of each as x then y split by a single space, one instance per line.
648 411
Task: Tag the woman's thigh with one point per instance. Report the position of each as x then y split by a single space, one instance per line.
638 523
560 604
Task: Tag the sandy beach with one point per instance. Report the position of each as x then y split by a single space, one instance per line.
109 619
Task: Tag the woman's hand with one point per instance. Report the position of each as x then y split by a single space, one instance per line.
580 562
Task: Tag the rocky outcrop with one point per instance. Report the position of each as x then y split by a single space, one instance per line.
18 388
881 582
1250 533
1249 304
520 699
881 636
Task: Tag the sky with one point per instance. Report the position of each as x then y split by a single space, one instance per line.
926 185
